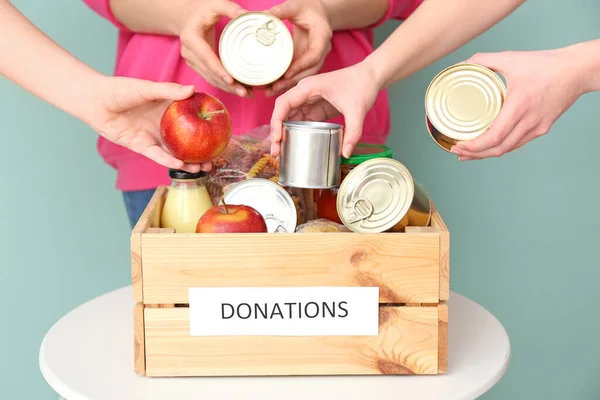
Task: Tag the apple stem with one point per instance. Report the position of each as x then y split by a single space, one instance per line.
225 205
210 114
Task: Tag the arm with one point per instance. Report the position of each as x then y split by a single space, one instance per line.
588 55
148 16
356 14
432 32
27 57
125 111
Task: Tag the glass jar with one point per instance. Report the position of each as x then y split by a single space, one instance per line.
186 201
326 199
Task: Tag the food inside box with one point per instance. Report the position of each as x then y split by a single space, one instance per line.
370 193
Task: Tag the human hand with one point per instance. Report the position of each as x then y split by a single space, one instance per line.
542 85
198 43
350 91
312 40
128 111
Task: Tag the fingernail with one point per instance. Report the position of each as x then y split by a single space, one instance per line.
347 151
460 145
228 80
454 150
241 92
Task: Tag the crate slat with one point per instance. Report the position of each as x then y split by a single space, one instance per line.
444 262
406 271
407 344
443 338
139 343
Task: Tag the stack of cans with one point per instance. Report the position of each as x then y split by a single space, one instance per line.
377 195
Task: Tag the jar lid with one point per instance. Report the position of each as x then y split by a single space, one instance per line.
367 151
181 174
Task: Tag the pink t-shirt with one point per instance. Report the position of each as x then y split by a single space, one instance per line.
158 58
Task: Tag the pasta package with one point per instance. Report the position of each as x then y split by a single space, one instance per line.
248 156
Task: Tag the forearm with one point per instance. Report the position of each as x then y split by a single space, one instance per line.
431 33
32 60
587 63
355 14
152 16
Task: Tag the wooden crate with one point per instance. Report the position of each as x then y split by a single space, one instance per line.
411 270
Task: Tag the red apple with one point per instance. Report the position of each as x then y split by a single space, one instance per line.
231 219
196 129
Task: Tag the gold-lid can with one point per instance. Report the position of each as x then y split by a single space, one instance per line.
381 195
256 48
461 102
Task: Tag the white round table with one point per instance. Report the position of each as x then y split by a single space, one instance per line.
87 355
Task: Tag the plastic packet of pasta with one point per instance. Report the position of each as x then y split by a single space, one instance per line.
249 156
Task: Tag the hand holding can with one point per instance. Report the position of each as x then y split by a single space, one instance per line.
543 85
198 43
312 40
348 91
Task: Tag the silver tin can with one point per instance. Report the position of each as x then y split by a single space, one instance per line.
310 155
272 201
381 195
256 48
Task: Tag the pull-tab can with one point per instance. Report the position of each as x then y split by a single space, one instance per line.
256 48
461 103
381 195
272 201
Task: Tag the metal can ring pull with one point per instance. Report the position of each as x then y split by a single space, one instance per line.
363 209
280 227
265 34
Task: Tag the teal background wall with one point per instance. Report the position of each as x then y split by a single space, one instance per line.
524 228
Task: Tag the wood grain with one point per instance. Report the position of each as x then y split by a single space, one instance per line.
442 337
149 218
404 266
436 221
139 346
407 344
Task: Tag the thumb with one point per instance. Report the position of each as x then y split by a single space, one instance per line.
285 10
166 91
352 132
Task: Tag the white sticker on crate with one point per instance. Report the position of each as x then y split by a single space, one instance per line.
284 311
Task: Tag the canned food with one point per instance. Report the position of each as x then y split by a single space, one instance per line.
272 201
256 48
381 195
461 102
325 199
310 155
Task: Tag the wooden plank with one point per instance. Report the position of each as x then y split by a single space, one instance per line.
150 216
436 221
160 230
442 337
404 266
139 346
406 344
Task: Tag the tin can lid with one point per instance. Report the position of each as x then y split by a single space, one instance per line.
256 48
366 151
375 195
313 126
463 100
272 201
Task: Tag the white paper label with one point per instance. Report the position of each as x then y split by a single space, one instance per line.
284 311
